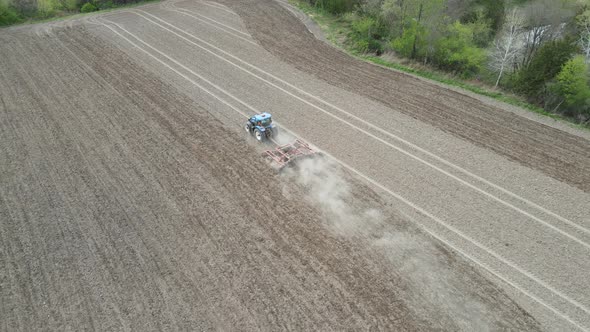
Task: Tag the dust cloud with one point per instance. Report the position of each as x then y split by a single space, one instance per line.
421 264
327 189
434 281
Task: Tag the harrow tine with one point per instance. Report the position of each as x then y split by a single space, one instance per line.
283 155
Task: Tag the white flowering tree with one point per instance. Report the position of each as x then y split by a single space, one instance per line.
508 45
583 21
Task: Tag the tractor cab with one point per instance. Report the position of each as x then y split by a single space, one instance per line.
262 120
261 126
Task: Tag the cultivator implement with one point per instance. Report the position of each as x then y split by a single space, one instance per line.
285 154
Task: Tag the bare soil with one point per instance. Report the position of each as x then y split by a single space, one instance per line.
558 154
124 205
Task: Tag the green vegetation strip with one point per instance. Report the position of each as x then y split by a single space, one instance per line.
63 15
461 84
336 30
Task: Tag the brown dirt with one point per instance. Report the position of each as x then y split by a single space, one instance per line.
558 154
117 211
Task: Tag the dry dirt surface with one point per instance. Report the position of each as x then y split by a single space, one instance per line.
131 199
553 152
119 212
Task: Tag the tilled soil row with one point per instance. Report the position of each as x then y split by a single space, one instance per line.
556 153
181 232
134 217
117 211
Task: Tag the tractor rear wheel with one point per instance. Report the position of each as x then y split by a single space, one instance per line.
275 132
259 135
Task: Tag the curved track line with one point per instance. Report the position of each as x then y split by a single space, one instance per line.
172 6
218 7
213 25
401 150
442 160
399 197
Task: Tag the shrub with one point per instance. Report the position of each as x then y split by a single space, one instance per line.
364 35
8 15
361 46
457 52
45 8
546 64
335 6
88 8
375 46
482 31
490 10
363 26
70 5
572 86
413 36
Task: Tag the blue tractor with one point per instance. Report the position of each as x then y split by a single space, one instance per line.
261 126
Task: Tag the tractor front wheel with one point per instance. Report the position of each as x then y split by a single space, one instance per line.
247 127
259 135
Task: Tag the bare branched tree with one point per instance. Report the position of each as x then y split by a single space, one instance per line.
583 21
456 9
371 7
545 20
395 13
508 45
25 7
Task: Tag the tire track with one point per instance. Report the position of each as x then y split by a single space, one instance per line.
424 212
563 156
550 225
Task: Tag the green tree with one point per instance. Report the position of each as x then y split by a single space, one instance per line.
366 28
88 7
412 39
8 15
457 52
366 33
414 25
572 85
492 11
398 15
482 30
532 80
45 8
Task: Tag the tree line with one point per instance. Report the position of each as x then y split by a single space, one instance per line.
16 11
539 49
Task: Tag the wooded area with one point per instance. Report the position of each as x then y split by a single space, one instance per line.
17 11
539 49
